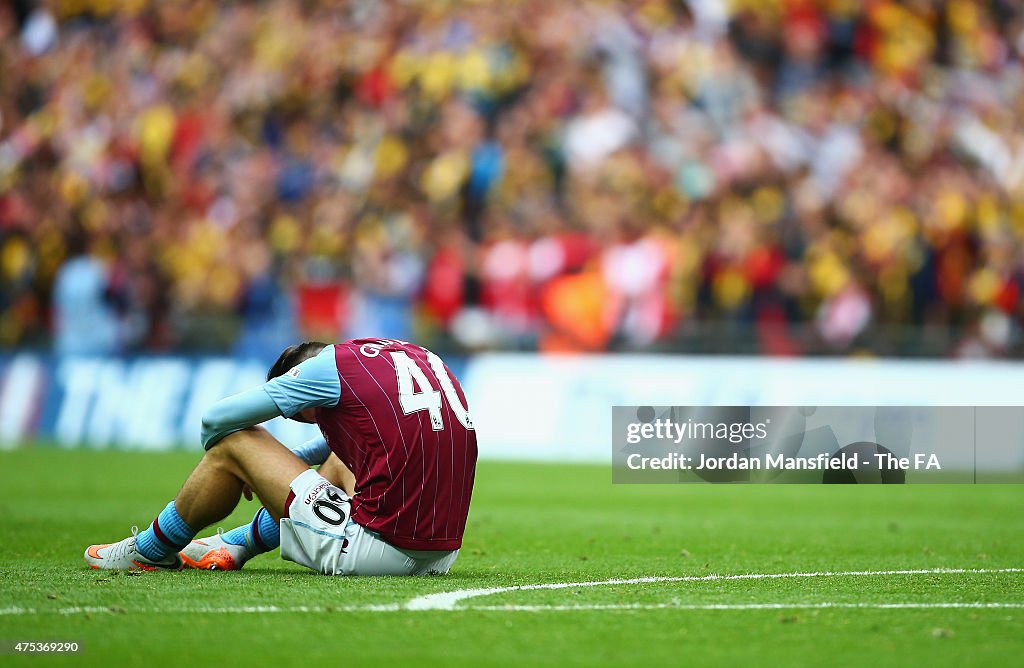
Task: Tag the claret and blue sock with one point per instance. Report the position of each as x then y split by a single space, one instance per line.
169 534
166 535
261 535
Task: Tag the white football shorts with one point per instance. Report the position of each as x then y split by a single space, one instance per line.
320 534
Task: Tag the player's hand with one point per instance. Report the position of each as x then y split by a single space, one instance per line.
247 492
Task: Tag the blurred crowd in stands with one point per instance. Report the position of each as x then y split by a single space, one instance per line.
785 176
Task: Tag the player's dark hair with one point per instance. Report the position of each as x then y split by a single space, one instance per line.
293 355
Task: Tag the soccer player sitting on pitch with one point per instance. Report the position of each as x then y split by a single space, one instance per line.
404 455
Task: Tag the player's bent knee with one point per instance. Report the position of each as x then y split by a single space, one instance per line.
221 458
225 451
244 438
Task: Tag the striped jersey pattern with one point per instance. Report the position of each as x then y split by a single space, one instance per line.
413 454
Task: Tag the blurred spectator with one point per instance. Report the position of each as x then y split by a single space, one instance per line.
780 177
84 320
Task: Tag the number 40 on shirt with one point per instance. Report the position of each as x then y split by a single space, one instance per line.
415 393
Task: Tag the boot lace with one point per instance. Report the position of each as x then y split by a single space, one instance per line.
120 549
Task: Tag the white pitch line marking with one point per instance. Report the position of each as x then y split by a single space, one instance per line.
241 609
264 609
448 600
745 606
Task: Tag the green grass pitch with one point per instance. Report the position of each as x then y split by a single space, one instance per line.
533 523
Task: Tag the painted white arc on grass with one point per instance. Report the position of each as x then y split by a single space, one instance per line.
910 605
394 607
449 600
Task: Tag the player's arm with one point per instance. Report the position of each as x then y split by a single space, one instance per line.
311 384
248 409
335 470
314 452
237 412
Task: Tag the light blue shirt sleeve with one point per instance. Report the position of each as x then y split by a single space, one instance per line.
312 384
251 408
236 412
315 451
